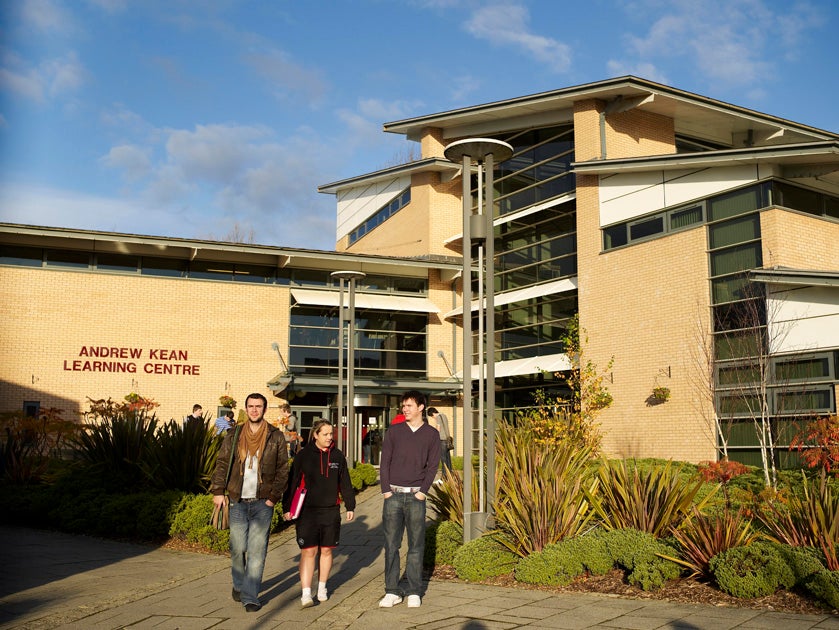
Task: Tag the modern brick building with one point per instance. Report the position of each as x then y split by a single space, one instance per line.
697 240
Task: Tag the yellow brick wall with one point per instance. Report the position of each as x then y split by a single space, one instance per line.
653 329
49 316
800 241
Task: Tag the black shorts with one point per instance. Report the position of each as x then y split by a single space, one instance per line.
319 527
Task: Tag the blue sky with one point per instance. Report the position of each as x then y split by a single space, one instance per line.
198 118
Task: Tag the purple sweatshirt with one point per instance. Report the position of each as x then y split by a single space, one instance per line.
409 458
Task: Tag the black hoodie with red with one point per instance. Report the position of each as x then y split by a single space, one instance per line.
326 475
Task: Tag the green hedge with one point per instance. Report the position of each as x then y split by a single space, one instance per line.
753 571
483 558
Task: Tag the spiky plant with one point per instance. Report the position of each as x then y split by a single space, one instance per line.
701 537
654 500
811 520
540 496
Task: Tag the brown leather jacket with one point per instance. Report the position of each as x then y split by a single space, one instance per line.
273 464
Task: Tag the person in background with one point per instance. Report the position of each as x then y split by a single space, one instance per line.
196 415
287 422
398 419
225 422
440 421
258 479
410 456
323 468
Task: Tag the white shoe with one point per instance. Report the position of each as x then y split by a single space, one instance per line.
390 600
322 595
414 601
306 601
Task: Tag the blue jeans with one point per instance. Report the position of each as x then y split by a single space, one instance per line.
250 525
403 511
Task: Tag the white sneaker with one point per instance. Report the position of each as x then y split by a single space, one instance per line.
414 601
306 601
322 595
390 600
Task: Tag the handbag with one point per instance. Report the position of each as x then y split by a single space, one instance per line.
220 518
298 498
450 443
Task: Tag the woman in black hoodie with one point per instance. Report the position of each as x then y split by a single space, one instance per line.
323 470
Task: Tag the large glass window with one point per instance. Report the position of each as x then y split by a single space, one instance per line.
21 256
536 249
386 345
68 259
168 267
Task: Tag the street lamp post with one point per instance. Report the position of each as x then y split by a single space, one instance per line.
352 443
478 228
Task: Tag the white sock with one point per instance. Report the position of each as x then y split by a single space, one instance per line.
307 592
321 587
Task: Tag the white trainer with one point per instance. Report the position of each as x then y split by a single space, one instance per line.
306 601
322 595
390 600
414 601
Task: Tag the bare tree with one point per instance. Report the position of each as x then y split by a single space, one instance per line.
745 380
236 234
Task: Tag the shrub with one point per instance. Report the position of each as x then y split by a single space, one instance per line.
645 558
442 540
560 563
368 473
556 565
540 491
116 447
825 586
754 571
356 479
483 558
28 443
653 500
818 444
811 520
183 457
702 537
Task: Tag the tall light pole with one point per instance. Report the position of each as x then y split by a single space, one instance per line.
352 442
478 228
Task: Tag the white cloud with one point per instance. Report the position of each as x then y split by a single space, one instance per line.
216 175
639 69
46 16
52 78
734 43
134 161
507 25
286 77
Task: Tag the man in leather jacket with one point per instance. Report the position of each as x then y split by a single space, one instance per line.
258 479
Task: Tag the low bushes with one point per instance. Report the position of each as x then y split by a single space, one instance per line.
483 558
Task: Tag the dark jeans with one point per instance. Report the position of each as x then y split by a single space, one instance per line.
445 456
400 512
250 524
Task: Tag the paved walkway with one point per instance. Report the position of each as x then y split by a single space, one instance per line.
50 580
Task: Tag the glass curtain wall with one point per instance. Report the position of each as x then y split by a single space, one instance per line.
530 250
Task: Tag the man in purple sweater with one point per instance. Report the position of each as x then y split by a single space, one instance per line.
410 456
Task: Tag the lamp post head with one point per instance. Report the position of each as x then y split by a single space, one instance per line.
478 149
348 275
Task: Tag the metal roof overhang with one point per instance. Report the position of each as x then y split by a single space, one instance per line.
539 290
800 277
191 249
363 386
694 115
394 303
448 171
823 155
529 365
